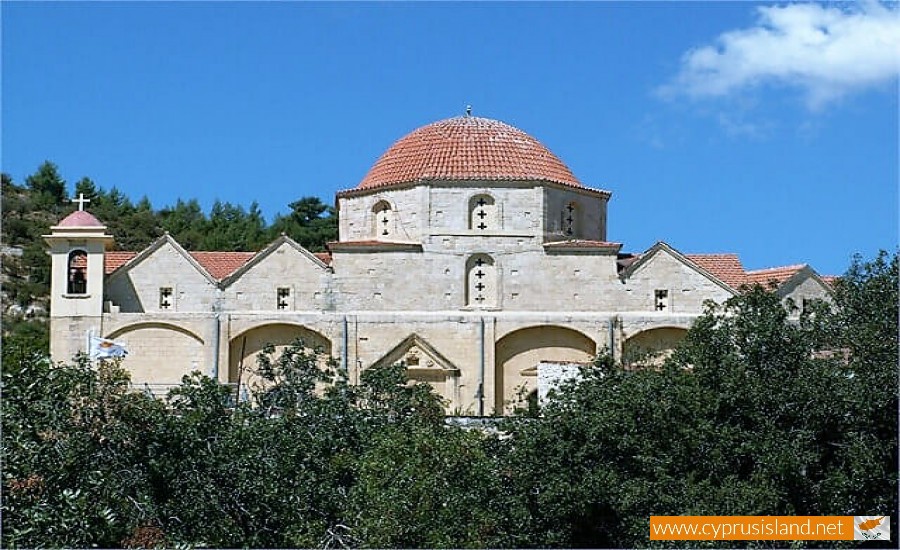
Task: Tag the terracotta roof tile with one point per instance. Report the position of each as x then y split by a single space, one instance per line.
325 257
221 264
467 148
830 279
115 259
777 274
373 244
582 243
726 267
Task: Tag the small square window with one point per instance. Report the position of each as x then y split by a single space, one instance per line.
283 297
165 297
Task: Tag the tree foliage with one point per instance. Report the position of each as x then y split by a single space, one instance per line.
753 415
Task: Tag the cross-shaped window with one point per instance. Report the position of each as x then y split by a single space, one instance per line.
481 281
569 220
662 299
482 213
383 218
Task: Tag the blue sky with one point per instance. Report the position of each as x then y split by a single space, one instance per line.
770 130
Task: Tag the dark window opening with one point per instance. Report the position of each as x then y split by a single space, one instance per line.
662 300
165 298
77 280
283 295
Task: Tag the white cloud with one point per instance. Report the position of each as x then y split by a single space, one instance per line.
827 52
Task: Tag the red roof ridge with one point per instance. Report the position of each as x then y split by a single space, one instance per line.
794 267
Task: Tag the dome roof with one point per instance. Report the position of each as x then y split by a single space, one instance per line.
80 218
467 148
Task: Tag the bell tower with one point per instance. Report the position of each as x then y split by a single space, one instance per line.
77 248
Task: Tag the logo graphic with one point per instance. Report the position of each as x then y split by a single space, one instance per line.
871 527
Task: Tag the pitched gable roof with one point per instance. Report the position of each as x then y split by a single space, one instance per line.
150 250
217 264
254 259
714 260
726 267
115 259
222 264
778 275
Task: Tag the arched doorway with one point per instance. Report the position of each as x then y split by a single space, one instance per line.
653 346
246 347
159 354
518 354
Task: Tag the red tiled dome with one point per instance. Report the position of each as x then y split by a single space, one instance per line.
80 218
467 148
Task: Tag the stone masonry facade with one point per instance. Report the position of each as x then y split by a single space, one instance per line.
469 252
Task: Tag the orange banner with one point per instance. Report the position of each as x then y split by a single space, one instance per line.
751 527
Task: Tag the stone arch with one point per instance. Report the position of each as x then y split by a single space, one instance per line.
652 346
518 354
483 213
244 347
159 354
383 219
76 274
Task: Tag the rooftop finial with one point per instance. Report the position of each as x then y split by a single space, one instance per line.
80 200
468 110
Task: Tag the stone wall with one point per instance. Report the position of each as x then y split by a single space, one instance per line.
307 281
137 289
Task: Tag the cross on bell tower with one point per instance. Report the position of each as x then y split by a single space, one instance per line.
80 201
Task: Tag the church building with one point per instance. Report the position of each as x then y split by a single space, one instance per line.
469 252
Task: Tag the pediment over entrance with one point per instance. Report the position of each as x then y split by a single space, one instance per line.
420 358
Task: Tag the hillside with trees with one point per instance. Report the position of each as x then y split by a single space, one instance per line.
30 208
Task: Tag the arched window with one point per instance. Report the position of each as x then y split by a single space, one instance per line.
570 220
383 216
77 279
483 213
481 281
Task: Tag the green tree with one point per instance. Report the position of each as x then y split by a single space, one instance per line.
48 186
862 330
227 228
783 423
186 222
311 223
86 186
427 485
76 445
